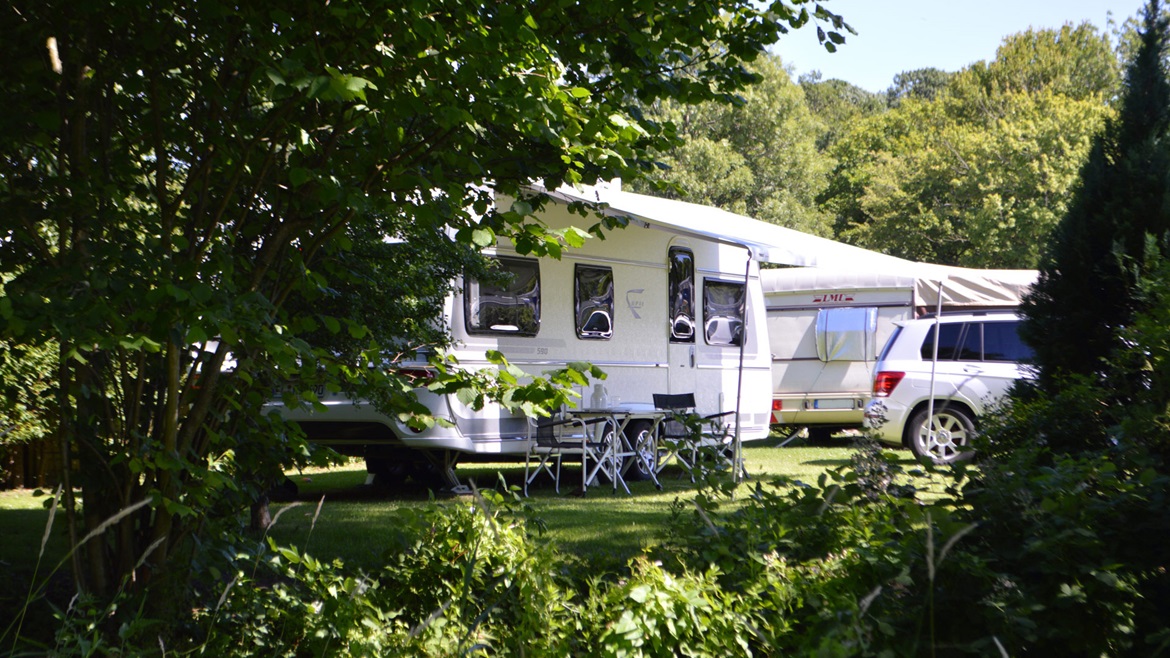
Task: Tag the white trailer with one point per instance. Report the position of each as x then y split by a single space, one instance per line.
826 327
670 304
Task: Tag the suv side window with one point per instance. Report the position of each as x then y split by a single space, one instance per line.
978 341
972 348
948 346
1001 342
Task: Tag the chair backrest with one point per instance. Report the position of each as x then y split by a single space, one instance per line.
674 401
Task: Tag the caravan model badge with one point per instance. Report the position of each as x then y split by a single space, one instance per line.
635 303
833 297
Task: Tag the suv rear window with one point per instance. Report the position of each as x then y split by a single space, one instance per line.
1001 342
977 341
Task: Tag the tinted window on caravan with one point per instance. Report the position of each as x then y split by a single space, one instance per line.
510 305
681 296
723 308
593 301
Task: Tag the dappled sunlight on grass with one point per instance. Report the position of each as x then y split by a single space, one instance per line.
357 521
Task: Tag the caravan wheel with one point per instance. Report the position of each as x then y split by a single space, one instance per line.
821 436
644 462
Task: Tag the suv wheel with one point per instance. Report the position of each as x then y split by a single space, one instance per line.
947 439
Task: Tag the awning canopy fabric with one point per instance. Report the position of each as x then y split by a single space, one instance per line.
833 261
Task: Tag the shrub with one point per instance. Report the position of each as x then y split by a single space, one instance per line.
1073 547
843 567
469 576
656 613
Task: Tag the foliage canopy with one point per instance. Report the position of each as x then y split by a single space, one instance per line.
978 172
1085 293
184 181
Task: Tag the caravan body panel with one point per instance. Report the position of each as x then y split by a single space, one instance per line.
825 330
626 332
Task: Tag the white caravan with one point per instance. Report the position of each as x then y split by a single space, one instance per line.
670 304
827 325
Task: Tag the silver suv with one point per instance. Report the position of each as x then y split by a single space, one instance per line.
980 356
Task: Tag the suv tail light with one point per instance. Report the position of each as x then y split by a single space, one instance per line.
885 382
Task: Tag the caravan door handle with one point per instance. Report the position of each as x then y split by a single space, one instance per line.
972 370
692 356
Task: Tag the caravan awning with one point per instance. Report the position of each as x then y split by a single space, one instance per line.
769 243
784 246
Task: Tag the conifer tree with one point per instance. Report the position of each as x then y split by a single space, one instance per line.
1085 294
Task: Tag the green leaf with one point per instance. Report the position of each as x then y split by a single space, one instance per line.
289 554
202 292
640 593
482 237
298 176
1148 477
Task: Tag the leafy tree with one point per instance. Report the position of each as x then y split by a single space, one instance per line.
838 105
979 175
1084 294
926 84
1074 61
26 409
182 182
757 157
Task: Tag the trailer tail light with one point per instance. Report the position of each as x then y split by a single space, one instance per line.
777 407
885 382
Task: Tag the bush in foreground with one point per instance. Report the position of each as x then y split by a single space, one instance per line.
1023 557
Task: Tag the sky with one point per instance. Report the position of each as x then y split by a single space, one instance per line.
903 35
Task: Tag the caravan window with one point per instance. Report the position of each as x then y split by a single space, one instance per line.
681 296
510 305
593 301
847 334
723 311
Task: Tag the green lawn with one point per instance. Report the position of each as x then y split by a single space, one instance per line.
356 522
336 514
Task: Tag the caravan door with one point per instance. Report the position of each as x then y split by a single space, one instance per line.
680 306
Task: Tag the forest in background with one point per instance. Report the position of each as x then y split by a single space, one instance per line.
971 168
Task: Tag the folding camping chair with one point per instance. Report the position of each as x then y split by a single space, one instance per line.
551 439
686 437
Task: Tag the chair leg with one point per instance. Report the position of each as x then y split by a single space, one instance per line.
527 459
557 488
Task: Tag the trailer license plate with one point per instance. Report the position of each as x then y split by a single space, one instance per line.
832 404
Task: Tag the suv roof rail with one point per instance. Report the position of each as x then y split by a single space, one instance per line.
979 312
